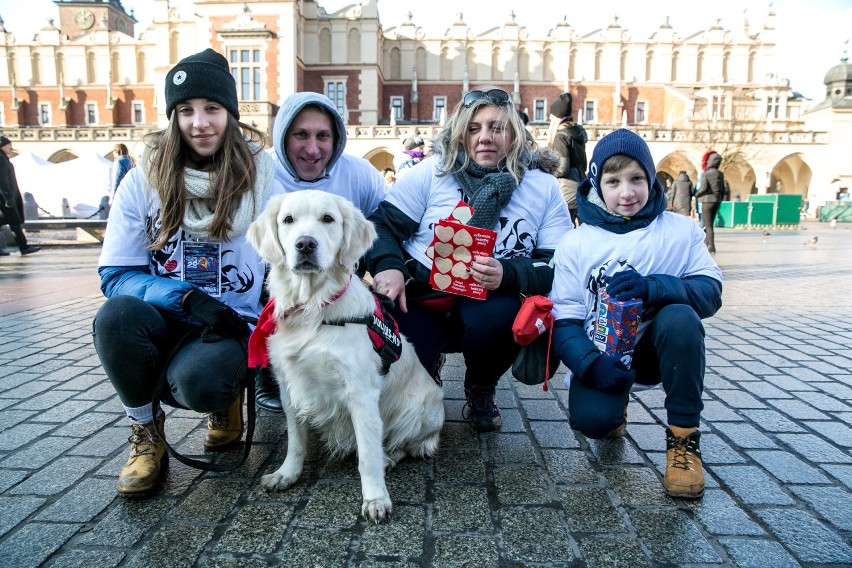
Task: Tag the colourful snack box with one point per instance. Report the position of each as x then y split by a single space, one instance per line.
617 326
453 248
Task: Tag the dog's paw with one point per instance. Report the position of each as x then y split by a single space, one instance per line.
276 482
377 510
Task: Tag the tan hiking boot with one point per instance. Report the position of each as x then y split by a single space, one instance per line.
684 472
224 429
619 431
148 459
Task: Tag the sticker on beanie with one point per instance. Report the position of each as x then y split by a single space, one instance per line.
179 77
593 174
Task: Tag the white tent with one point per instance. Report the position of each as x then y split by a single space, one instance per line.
83 182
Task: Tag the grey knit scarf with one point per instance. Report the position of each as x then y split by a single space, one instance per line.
487 188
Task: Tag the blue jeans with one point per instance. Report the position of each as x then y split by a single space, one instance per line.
670 351
480 329
134 340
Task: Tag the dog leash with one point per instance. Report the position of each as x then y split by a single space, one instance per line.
248 385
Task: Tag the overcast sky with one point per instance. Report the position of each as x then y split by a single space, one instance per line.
810 34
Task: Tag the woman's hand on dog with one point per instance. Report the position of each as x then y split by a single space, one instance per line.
391 283
488 271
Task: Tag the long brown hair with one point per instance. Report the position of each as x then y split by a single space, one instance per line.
232 168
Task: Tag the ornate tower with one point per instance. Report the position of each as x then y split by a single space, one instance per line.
79 17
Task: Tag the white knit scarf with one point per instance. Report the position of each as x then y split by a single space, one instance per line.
200 201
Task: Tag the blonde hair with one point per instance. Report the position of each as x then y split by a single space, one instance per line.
447 143
233 173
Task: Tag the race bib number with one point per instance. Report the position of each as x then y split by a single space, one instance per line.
201 263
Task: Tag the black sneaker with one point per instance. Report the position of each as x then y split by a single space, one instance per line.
3 252
481 410
30 249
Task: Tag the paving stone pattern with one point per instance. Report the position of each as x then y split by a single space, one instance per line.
777 433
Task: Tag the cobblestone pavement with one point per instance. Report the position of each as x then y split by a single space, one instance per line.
776 443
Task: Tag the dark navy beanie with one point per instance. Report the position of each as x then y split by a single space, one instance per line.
205 75
562 106
626 143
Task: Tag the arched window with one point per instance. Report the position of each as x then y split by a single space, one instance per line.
622 66
446 64
35 63
140 66
420 62
726 59
354 50
523 64
572 64
751 57
91 68
547 66
13 67
325 45
60 67
395 64
598 55
699 67
496 75
649 65
675 59
174 42
114 68
470 62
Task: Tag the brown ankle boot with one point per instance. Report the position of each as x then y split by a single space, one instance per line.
684 472
618 431
224 429
148 459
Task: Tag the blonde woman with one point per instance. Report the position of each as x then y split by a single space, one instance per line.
485 157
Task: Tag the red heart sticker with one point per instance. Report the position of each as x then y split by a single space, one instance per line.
171 265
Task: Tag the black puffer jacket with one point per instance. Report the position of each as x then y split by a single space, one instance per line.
11 202
712 188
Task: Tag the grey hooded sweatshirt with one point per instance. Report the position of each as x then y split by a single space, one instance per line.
345 175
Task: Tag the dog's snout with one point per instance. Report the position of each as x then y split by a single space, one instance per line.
306 245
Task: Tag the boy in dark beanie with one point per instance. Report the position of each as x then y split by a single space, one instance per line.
568 140
632 248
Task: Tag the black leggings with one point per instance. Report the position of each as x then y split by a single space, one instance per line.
134 339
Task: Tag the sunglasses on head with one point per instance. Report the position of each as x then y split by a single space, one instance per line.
495 96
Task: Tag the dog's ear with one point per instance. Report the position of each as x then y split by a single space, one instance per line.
263 233
358 233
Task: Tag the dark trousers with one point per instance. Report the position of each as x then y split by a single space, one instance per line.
20 238
134 339
670 351
480 329
708 212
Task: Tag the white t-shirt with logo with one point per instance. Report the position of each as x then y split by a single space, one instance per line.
535 218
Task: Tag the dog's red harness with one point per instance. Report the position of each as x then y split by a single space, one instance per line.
381 327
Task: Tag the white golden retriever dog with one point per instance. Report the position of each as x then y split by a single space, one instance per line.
330 375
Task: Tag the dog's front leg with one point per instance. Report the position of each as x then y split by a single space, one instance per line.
297 438
369 434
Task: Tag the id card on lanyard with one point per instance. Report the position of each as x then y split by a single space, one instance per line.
201 266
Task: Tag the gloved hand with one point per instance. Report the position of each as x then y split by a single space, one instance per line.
628 284
608 374
221 321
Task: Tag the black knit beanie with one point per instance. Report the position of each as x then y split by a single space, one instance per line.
562 106
626 143
205 75
4 141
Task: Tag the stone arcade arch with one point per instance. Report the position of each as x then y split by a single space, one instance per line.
381 158
62 156
791 175
741 179
670 166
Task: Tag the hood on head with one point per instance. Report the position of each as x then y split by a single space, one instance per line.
714 160
287 113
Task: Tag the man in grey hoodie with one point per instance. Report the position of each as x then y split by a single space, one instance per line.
309 138
710 194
